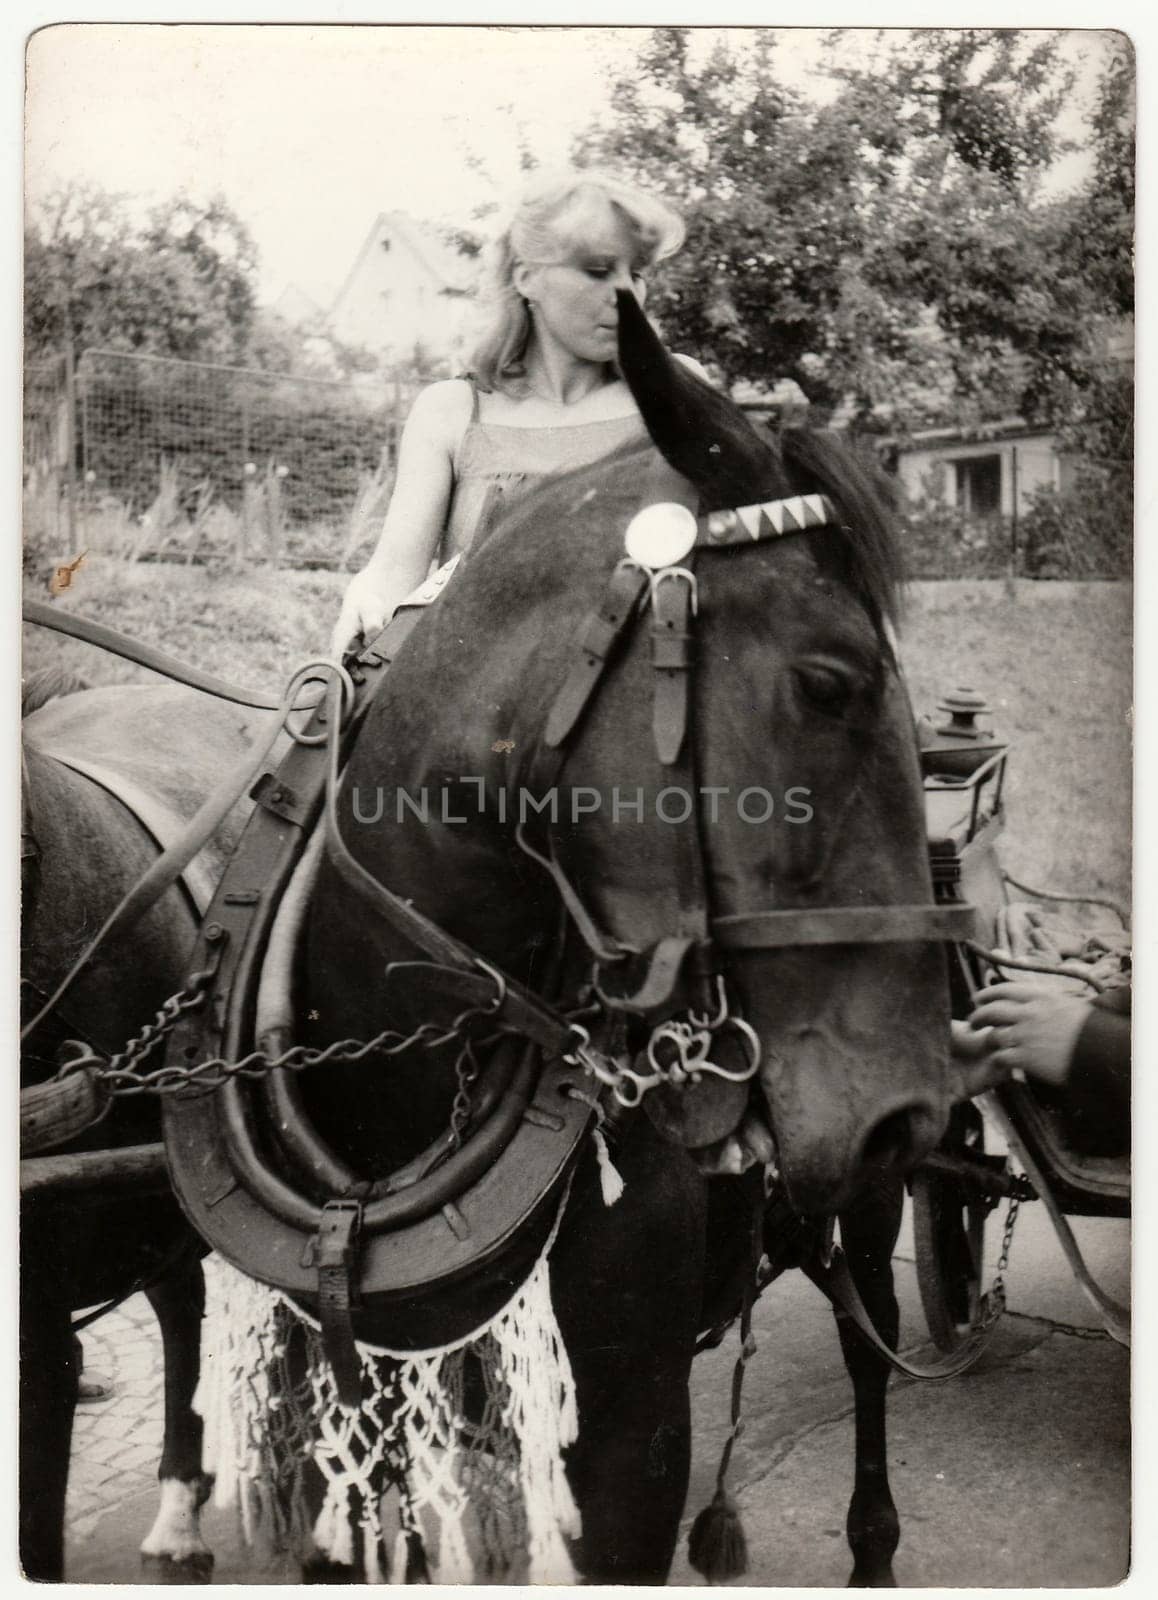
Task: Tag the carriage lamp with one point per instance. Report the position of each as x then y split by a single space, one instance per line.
956 748
964 706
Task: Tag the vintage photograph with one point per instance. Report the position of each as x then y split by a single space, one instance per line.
576 717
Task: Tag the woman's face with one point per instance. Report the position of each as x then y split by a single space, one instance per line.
573 296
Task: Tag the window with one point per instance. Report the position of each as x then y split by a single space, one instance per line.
979 485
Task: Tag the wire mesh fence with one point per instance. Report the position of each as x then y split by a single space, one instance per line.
149 457
47 448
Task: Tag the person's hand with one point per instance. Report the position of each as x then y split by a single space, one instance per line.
972 1064
365 611
1030 1027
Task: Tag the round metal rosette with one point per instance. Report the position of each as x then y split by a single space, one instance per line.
660 535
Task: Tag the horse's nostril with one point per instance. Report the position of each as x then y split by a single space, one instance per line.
891 1143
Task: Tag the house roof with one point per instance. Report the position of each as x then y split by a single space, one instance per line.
449 272
296 305
974 433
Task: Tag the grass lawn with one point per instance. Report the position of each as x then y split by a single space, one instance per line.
1053 660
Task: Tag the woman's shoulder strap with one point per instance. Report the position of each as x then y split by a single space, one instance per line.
469 378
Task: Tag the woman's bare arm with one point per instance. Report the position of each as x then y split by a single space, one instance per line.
416 515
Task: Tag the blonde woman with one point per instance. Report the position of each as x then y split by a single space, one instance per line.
544 395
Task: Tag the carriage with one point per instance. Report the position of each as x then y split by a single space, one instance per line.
362 1229
956 1191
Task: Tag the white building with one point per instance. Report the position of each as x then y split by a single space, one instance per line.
983 471
406 291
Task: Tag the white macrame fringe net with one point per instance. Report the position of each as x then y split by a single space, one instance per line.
270 1408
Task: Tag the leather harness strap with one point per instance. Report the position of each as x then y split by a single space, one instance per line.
835 1282
772 930
164 826
335 1253
595 646
673 599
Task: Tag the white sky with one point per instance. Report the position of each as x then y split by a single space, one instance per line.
310 131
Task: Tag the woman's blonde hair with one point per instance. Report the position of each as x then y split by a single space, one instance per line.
533 235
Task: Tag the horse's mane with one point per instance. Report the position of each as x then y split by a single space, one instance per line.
817 460
48 683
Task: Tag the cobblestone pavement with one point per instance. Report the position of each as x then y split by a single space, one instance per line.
116 1443
1052 1398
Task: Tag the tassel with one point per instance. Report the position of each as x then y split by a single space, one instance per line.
610 1181
717 1548
417 1570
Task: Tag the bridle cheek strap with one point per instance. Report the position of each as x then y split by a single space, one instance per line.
600 634
673 599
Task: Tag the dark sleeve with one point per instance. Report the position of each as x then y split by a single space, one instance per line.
1097 1086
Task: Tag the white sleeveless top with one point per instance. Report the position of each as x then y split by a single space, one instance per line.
514 461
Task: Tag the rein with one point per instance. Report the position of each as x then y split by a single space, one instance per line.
143 655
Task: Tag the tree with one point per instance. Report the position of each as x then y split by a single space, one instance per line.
891 248
179 284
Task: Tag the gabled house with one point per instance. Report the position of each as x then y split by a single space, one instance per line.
407 290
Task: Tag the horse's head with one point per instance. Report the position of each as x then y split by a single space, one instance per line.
798 696
679 797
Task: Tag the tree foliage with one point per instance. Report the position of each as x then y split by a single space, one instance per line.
180 283
892 247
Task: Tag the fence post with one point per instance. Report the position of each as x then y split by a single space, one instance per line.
1013 551
245 418
70 442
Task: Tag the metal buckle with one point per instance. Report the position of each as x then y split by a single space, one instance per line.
664 573
337 1236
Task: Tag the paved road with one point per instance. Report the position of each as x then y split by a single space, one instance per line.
1016 1475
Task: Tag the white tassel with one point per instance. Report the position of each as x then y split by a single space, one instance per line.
610 1181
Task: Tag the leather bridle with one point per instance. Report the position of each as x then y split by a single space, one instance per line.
683 971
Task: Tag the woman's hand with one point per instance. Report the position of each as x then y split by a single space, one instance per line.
366 609
417 513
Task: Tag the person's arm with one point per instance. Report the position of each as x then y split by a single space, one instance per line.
1098 1081
1076 1044
416 516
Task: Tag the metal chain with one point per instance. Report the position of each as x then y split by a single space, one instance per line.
1070 1330
166 1019
995 1299
117 1077
466 1071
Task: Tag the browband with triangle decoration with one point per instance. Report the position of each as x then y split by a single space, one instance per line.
769 520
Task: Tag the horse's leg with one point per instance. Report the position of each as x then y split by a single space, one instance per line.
869 1232
627 1282
48 1380
173 1550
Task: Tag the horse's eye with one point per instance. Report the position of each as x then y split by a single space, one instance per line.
825 688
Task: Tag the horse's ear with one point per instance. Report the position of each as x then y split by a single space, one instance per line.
700 432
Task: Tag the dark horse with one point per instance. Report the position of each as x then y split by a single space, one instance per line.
795 689
82 848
